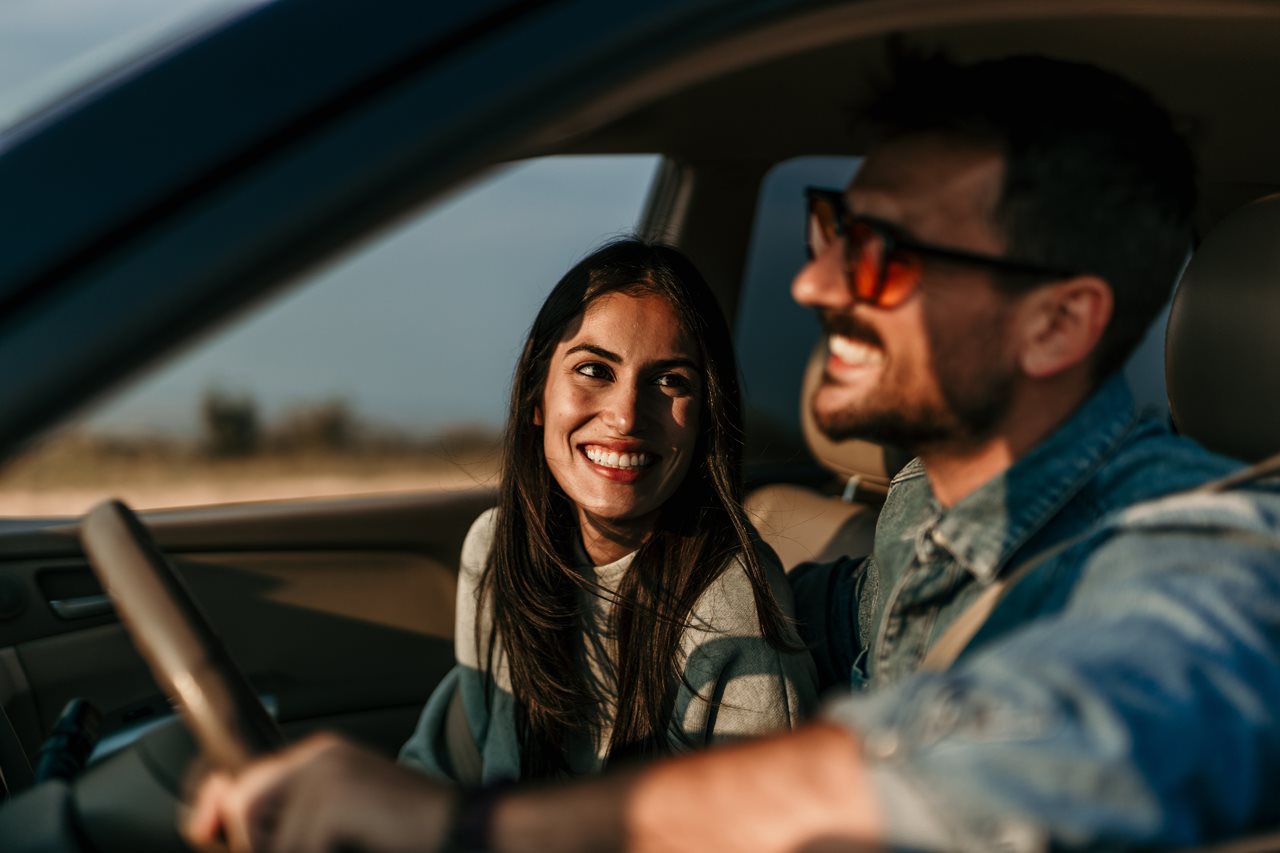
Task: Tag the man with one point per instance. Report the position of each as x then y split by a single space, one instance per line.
1012 232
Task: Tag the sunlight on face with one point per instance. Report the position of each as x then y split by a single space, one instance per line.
936 368
620 410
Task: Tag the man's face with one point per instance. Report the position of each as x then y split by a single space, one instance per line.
939 368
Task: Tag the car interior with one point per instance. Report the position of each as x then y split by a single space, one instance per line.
339 611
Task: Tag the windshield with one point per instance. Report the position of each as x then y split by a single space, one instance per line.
49 48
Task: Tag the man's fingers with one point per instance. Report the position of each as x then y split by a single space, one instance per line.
316 795
253 802
247 810
204 823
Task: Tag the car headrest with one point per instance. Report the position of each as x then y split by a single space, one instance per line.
866 465
1222 349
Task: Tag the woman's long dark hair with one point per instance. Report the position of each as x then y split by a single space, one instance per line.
530 583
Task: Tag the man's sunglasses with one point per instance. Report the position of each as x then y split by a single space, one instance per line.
882 265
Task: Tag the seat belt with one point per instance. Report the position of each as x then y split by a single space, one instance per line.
459 743
961 632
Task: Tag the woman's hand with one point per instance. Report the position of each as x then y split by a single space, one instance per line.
321 794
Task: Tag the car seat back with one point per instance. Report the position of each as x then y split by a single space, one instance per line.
804 524
1221 368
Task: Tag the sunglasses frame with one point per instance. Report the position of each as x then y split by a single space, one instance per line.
894 239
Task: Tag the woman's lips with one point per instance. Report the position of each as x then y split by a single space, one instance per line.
624 466
617 459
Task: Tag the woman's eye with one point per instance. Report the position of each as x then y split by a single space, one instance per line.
676 383
593 370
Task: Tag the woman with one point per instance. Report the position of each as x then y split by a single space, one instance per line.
616 603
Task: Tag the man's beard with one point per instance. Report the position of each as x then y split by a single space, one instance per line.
973 381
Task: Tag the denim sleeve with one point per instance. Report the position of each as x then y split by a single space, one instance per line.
1143 712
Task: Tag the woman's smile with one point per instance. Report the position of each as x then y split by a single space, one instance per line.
622 465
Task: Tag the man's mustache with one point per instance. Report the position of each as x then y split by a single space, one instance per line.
849 326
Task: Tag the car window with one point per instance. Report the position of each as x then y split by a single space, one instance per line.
49 47
774 334
388 370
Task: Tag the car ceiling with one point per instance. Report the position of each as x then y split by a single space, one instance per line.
793 89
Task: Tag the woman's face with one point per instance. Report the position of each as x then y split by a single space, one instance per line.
620 411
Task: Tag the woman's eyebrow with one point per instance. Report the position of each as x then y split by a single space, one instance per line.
669 363
595 350
665 364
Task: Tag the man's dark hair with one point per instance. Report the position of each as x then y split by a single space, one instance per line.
1097 178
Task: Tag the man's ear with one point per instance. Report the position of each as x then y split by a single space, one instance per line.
1062 324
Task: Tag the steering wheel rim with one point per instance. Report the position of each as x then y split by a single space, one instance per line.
185 655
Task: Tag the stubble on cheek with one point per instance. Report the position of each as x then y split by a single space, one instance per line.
953 385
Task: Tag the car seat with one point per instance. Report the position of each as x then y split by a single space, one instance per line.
1220 366
803 524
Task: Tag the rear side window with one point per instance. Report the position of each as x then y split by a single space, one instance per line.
774 334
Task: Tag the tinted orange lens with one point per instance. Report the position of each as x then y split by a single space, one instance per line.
901 274
879 279
863 257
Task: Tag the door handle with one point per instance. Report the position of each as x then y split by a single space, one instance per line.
81 607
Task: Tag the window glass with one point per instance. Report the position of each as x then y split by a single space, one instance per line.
49 47
389 370
774 334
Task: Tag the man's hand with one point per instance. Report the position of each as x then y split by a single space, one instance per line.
805 790
801 791
322 794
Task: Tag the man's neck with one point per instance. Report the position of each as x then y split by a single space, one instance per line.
957 469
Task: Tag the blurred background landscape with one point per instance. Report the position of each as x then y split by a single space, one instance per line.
313 450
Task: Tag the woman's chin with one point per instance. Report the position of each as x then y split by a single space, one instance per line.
624 517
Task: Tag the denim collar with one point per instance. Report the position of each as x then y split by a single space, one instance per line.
990 525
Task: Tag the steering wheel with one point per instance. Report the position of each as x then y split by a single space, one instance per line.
186 657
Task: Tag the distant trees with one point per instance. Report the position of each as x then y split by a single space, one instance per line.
229 424
328 426
232 426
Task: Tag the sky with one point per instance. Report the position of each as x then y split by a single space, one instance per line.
419 329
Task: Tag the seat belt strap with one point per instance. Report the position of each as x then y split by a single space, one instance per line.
459 743
961 632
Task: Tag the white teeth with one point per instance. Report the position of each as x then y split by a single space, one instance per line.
614 459
854 352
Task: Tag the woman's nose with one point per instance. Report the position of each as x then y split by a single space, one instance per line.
623 409
821 282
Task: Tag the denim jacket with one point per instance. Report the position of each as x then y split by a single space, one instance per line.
1126 692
